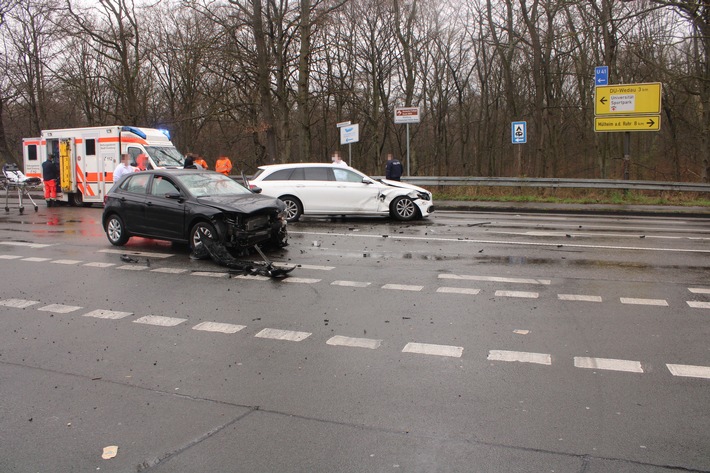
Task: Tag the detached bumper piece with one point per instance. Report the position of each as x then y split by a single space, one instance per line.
219 254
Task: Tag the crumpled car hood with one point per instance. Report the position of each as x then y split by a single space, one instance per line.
245 204
403 185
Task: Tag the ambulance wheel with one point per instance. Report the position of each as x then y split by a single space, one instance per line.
76 199
116 231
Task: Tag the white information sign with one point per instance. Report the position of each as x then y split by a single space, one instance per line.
622 103
349 134
406 115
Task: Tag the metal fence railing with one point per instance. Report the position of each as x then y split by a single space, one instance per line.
555 183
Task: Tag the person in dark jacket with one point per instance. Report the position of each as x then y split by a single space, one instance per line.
189 163
394 169
49 176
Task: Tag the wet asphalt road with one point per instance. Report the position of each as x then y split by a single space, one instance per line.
492 342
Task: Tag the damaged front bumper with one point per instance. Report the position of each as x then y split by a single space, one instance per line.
244 231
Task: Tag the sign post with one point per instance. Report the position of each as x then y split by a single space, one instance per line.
349 134
406 115
518 136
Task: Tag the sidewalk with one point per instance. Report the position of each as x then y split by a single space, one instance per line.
543 207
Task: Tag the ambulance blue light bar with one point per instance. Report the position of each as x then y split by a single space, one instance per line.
135 131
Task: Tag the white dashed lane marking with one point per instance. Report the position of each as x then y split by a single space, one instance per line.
36 260
578 297
520 356
458 290
129 267
654 302
699 290
339 340
159 320
169 270
99 265
402 287
10 257
545 282
18 303
429 349
22 243
218 327
289 335
210 274
301 280
66 261
699 304
306 266
608 364
520 294
350 283
137 253
690 371
252 278
60 308
107 314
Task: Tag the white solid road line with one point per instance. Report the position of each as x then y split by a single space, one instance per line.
137 253
402 287
506 242
17 303
341 341
60 308
10 257
99 265
519 294
545 282
66 261
608 364
218 327
699 304
690 371
655 302
159 320
430 349
288 335
578 297
458 290
350 283
520 356
107 314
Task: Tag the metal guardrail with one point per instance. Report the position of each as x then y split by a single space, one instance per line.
554 183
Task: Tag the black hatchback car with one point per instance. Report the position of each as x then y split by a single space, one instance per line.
176 204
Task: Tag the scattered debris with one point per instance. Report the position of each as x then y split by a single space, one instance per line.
222 257
316 243
109 452
478 224
642 236
568 235
128 259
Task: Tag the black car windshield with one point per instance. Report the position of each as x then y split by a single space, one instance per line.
211 184
165 157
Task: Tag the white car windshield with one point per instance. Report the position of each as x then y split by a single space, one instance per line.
211 184
165 157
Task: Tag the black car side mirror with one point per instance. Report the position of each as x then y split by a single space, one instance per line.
173 195
256 190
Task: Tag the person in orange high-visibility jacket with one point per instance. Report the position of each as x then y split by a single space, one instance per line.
223 165
201 161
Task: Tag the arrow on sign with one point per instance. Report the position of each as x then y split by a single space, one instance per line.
603 100
650 122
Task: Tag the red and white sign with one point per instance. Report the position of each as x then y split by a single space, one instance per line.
406 115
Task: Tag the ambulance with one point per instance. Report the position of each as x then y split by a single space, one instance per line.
88 156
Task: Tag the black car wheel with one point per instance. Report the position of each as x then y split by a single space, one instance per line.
116 231
404 208
294 209
207 229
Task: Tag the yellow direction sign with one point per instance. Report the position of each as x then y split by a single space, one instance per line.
628 99
633 123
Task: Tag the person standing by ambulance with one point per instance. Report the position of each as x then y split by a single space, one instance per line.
49 176
123 167
200 161
223 165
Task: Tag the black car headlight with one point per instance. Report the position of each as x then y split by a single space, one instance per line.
423 195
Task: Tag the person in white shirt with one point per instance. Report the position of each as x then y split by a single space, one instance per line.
123 167
338 161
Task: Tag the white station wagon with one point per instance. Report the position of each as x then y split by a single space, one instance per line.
328 189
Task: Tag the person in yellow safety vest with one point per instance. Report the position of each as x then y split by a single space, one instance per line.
199 160
224 165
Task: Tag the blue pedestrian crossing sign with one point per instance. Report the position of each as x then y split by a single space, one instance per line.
601 75
519 132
